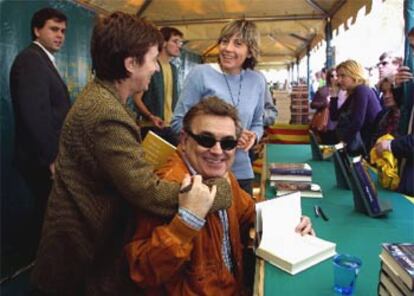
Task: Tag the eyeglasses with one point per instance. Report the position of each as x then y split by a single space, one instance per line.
178 42
207 141
383 63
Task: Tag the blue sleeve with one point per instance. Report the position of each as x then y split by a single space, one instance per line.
359 110
257 121
190 95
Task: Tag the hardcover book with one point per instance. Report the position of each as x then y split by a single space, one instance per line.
157 150
280 245
277 168
389 286
298 178
395 279
399 257
319 152
342 166
306 189
291 186
365 195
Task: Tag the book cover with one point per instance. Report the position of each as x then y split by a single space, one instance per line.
277 168
280 245
400 258
395 279
320 152
342 167
369 192
157 150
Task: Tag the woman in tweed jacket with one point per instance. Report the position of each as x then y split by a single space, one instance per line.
101 172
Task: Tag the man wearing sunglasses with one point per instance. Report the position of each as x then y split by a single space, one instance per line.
197 253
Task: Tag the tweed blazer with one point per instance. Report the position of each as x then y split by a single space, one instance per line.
100 174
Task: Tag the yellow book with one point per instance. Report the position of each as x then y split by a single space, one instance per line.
157 150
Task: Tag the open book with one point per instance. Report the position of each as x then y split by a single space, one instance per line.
280 245
157 150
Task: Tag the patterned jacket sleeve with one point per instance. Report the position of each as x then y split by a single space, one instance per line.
117 150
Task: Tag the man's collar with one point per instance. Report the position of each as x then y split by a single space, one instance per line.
48 53
187 163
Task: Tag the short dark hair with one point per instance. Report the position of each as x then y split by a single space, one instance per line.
41 16
118 36
168 32
212 106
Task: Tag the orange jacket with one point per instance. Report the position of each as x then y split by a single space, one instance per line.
170 258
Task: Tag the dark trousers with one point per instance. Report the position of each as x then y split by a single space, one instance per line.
39 183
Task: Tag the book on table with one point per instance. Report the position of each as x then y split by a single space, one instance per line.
319 151
342 165
398 258
364 191
279 244
391 275
300 169
388 285
157 150
306 189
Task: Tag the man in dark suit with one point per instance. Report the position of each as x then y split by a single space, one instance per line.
40 101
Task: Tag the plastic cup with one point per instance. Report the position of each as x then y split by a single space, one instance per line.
346 268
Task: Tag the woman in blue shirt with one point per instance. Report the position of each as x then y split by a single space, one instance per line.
234 80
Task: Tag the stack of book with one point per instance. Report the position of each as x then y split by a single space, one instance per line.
397 269
291 177
299 105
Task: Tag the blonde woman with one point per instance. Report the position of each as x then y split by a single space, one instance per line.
355 123
233 80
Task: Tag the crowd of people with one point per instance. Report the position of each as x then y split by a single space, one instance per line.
360 114
111 225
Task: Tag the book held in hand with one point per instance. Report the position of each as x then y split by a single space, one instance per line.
399 259
280 245
157 150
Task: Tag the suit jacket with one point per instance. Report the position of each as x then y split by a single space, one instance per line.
100 173
40 101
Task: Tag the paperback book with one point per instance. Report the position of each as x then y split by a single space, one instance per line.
279 244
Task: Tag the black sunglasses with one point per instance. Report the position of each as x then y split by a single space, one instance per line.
208 141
